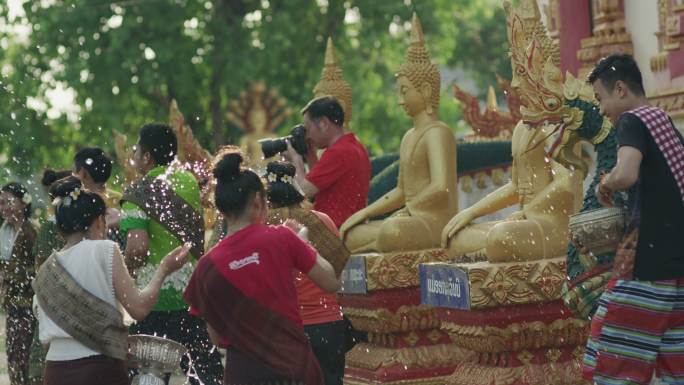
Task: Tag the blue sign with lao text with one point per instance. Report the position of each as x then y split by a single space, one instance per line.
444 285
354 276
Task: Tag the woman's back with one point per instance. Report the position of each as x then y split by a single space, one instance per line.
89 263
259 261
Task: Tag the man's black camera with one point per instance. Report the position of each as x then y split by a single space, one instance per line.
297 138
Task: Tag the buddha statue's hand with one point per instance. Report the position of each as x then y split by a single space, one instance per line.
456 224
353 221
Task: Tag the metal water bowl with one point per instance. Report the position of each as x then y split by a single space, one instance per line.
153 357
600 230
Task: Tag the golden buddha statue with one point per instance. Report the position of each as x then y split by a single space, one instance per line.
332 83
426 195
546 191
257 112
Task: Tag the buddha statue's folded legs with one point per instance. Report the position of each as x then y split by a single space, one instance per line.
400 232
508 241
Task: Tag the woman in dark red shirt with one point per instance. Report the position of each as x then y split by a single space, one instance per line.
243 287
320 311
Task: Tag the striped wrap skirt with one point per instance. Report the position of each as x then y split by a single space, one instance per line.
636 333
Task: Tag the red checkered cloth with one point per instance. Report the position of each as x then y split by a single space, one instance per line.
664 133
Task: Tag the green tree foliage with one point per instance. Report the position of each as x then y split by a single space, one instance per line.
127 59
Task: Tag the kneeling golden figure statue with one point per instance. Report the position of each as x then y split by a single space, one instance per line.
546 191
426 194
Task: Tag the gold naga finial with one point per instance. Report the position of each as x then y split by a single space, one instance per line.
491 99
189 149
418 66
535 59
124 157
490 124
332 82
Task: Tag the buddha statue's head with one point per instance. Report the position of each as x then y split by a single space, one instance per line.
332 83
535 61
418 79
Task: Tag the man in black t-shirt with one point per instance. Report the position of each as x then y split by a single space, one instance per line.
638 329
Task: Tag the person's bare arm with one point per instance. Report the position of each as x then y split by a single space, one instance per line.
626 171
309 189
139 303
323 275
137 246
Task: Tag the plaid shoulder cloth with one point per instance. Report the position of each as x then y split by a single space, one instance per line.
665 136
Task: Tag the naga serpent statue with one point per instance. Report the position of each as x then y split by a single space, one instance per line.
587 273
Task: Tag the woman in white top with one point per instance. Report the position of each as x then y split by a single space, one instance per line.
93 351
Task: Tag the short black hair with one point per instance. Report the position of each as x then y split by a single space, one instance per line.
19 191
618 67
160 141
96 162
325 106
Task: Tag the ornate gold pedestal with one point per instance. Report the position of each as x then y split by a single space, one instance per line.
406 345
516 331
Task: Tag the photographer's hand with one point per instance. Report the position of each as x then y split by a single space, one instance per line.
311 155
309 189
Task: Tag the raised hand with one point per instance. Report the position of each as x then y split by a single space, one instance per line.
175 259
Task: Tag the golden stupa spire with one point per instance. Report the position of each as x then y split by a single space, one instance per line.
491 99
332 82
330 55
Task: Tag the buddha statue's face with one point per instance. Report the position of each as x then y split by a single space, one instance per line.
411 99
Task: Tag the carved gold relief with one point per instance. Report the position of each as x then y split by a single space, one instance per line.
518 336
564 373
405 319
413 381
371 357
501 284
671 101
396 270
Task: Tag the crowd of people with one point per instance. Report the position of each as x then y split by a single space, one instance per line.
266 291
100 257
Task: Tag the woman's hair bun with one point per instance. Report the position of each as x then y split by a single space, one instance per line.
281 169
228 164
51 176
63 187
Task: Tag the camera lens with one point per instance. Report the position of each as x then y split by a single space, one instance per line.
271 147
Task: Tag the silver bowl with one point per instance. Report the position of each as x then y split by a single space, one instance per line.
600 230
154 355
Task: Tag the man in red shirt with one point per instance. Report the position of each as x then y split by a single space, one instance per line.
340 179
339 183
